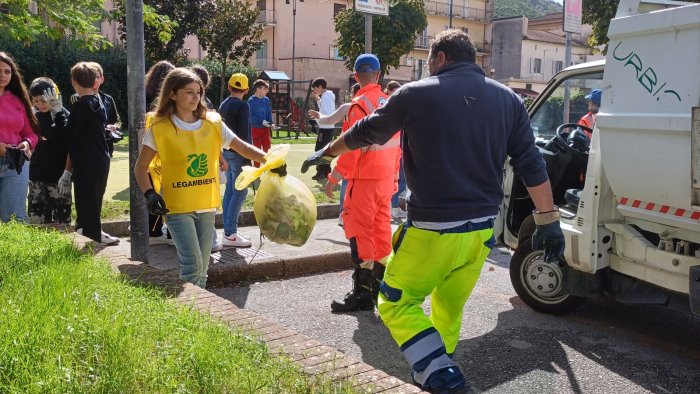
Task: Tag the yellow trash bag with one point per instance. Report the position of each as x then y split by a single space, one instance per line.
284 207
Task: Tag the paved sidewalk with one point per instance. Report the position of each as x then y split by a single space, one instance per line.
326 250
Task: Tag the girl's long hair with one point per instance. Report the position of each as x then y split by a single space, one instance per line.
19 89
176 80
154 79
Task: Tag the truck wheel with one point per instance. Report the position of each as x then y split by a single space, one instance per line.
538 283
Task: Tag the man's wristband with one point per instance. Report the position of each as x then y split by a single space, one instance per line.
542 218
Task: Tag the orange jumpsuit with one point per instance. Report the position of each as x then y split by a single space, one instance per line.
371 173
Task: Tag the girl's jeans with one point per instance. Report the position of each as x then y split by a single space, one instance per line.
233 199
13 192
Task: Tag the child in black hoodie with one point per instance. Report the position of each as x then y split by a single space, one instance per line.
84 131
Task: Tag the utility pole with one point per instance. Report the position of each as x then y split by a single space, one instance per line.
567 63
368 33
136 68
451 13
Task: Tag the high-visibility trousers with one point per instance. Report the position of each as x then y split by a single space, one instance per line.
367 216
443 264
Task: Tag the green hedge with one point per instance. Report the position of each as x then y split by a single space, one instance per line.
54 59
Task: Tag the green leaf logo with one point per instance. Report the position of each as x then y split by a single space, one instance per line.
197 165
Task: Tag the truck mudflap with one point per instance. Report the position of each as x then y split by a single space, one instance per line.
694 289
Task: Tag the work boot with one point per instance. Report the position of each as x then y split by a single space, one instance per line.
360 298
377 276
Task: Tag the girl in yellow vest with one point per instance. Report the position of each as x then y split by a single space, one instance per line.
188 140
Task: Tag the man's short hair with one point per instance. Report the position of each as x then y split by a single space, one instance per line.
365 78
260 83
456 45
98 67
320 81
84 74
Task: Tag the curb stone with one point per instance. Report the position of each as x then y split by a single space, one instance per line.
313 357
120 228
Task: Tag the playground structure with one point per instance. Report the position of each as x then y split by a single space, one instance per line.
287 111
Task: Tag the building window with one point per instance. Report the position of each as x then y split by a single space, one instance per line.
261 56
337 8
421 72
528 86
261 4
558 66
465 29
537 66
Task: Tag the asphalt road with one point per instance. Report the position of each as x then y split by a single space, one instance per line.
505 347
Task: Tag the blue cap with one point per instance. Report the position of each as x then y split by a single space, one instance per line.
367 63
594 96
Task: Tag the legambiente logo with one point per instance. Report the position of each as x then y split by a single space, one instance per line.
197 165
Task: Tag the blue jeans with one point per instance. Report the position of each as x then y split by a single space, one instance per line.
192 233
343 187
401 188
233 199
13 192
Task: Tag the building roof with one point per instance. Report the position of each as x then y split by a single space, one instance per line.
551 37
525 92
273 75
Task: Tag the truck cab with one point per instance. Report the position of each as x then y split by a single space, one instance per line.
629 196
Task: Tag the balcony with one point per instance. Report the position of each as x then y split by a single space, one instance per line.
458 11
423 42
267 16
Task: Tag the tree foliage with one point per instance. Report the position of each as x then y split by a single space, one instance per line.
599 13
77 20
232 34
528 8
186 17
392 36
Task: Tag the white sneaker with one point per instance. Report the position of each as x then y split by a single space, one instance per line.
237 240
398 213
216 246
161 240
108 239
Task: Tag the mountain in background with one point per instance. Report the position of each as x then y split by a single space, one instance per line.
529 8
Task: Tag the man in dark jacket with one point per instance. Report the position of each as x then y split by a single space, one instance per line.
458 128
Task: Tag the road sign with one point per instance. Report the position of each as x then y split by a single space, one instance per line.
376 7
572 16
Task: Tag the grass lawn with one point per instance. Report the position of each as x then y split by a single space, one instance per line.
116 204
69 324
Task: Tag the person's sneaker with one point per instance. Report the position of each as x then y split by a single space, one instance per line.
108 239
398 213
159 240
217 246
340 220
237 241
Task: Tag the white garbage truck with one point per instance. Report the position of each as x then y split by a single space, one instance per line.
629 195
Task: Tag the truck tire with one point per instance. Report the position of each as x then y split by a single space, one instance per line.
539 284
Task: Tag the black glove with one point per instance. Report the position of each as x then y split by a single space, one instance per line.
548 236
15 158
316 159
155 203
281 170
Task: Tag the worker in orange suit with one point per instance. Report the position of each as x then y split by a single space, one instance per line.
372 173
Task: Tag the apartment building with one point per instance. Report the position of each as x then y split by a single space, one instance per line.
308 38
472 16
528 52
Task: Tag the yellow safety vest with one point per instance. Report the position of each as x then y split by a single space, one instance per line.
189 164
154 165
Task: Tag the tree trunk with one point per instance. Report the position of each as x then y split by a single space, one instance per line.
223 80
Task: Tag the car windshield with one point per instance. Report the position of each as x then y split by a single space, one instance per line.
556 110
